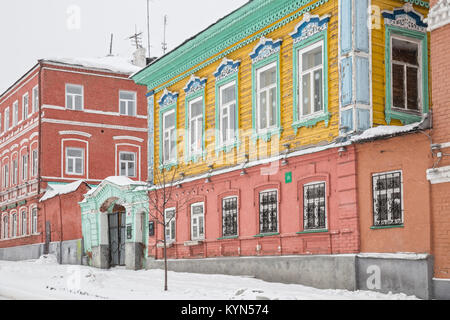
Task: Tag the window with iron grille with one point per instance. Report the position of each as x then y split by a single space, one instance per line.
314 211
387 199
268 211
229 216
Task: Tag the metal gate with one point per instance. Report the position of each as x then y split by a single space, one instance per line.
116 223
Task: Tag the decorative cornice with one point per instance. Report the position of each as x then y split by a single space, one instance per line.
194 84
439 15
405 17
77 133
226 68
439 175
247 24
168 98
309 26
265 48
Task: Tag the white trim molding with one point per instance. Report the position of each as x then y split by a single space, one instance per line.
128 138
439 175
439 15
77 133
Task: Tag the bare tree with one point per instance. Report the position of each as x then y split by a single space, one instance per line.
160 196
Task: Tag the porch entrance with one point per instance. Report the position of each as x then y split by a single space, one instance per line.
117 234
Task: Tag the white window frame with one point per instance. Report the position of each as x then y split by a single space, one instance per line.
25 106
23 223
15 171
127 101
198 135
267 91
34 156
14 225
35 102
15 113
126 164
170 225
6 175
74 173
73 95
196 222
6 120
169 131
418 42
311 71
25 167
34 218
229 139
5 226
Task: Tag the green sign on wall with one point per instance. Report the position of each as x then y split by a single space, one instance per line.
288 177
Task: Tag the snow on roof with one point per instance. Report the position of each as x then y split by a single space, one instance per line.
381 131
58 189
123 181
111 63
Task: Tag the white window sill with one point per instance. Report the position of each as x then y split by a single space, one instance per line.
193 242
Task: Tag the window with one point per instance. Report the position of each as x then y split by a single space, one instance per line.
15 113
405 74
74 161
25 167
197 221
169 137
229 216
34 169
74 97
15 168
6 176
266 97
268 211
127 163
5 229
227 116
35 99
34 220
6 127
311 80
14 225
127 102
170 224
314 214
195 126
24 223
25 104
387 198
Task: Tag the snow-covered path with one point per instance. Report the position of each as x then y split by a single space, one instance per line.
45 279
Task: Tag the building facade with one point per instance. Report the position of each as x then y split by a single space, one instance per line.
65 120
260 133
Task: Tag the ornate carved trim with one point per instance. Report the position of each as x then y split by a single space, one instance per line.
226 68
439 15
265 48
309 26
168 98
194 84
405 17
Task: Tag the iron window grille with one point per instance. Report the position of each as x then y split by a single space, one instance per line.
229 216
268 211
314 210
387 198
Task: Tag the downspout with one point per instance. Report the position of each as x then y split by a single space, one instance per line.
40 90
61 230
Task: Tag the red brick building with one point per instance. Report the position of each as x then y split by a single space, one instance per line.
439 173
65 120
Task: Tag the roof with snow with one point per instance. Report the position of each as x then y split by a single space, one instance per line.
384 131
114 64
58 189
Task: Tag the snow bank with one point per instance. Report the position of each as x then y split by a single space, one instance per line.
58 189
111 63
398 255
46 259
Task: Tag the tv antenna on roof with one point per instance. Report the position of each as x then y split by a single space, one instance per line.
136 38
111 46
164 43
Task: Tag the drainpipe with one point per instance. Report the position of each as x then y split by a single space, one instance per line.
40 90
61 230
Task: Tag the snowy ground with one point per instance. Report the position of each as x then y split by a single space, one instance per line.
45 279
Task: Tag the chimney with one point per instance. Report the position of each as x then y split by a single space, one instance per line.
139 57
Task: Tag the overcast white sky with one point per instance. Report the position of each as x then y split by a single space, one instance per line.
35 29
